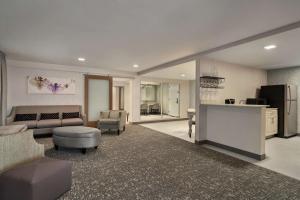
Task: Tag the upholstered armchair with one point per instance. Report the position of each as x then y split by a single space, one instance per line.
112 120
17 146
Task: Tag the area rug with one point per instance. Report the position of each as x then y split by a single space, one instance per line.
145 164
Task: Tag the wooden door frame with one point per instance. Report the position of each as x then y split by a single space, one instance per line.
120 89
86 95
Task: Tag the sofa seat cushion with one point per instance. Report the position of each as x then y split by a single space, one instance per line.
29 124
72 122
76 132
47 123
109 121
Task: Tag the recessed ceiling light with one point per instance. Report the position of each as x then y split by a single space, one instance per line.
183 75
136 66
269 47
81 59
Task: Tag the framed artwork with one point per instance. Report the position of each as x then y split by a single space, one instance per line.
50 85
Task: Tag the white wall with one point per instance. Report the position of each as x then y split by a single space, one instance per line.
17 88
240 82
165 98
115 94
184 98
127 95
192 85
18 71
136 98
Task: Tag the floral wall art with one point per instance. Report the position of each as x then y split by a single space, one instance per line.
50 85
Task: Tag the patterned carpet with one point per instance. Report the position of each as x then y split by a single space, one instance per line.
145 164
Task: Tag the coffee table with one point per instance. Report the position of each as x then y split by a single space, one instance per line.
79 137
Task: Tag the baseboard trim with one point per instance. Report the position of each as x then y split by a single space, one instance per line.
160 120
287 137
200 142
233 149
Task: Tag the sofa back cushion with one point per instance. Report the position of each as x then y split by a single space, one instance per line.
25 117
49 116
114 114
70 115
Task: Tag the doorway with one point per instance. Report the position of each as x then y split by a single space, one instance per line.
118 98
98 97
177 100
159 101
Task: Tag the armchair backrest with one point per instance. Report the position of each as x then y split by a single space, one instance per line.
104 114
156 106
115 114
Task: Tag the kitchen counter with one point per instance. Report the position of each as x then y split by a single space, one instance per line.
235 105
236 127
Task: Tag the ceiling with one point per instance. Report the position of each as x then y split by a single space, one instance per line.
253 54
176 72
116 34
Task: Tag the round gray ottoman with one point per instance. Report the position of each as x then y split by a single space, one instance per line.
76 137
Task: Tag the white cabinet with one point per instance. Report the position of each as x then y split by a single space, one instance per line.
271 121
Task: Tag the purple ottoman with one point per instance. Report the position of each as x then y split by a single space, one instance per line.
41 179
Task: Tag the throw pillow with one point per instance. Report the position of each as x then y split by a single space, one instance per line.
25 117
49 116
70 115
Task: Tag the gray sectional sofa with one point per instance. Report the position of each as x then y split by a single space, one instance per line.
45 126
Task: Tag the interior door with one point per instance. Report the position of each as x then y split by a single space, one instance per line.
174 99
98 97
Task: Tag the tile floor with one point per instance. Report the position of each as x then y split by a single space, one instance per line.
155 117
175 128
282 155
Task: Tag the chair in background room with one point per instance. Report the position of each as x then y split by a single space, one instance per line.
144 109
155 108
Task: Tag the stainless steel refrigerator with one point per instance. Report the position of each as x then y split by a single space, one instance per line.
283 97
